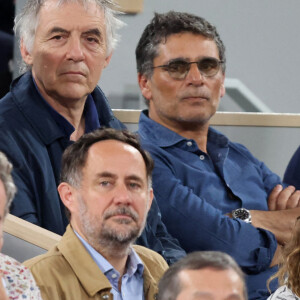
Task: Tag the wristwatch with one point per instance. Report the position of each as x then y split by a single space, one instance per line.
242 214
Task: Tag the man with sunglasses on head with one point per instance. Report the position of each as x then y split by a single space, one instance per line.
213 194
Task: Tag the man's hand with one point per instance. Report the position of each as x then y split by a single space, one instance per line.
280 222
280 198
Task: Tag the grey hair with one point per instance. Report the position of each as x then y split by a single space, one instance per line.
26 23
6 178
170 285
164 25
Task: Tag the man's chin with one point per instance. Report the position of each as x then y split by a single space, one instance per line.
121 235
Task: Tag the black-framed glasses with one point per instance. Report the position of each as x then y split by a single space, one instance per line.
179 68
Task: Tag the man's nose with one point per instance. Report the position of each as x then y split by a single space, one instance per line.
194 75
75 49
122 195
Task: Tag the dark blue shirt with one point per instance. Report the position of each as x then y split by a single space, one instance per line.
292 172
34 136
195 190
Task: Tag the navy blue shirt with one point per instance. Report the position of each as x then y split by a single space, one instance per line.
34 136
292 172
195 190
34 141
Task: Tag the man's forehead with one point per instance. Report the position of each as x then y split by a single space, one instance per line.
173 45
88 4
115 157
114 149
57 8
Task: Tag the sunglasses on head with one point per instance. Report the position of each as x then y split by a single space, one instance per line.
179 68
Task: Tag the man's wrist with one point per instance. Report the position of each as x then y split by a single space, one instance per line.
242 214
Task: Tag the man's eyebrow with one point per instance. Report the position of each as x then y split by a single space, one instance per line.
178 59
106 174
58 30
94 31
135 177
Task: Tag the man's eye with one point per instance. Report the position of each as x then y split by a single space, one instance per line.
57 37
134 185
92 40
104 183
177 67
208 65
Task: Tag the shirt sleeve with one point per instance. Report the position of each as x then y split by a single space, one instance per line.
292 173
23 205
200 226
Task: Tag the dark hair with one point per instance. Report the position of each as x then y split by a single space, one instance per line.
170 286
164 25
75 156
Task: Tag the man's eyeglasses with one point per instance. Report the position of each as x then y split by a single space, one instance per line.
178 69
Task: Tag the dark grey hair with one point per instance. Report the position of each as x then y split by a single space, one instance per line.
164 25
170 284
27 20
6 178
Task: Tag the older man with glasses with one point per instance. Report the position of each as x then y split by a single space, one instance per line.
213 194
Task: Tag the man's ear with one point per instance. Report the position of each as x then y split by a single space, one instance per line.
67 195
26 55
107 60
145 86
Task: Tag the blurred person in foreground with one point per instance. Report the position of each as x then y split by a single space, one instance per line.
16 280
203 275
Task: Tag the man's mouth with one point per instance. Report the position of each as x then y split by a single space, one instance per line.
121 213
74 73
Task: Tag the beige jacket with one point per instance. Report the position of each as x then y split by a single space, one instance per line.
68 272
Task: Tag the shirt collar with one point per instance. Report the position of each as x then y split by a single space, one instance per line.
90 113
164 137
152 130
134 263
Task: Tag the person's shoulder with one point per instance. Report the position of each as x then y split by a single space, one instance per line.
283 293
150 257
51 260
18 279
10 265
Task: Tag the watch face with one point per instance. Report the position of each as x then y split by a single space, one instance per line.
241 213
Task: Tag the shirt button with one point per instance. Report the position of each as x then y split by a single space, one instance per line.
189 143
105 296
202 157
114 275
